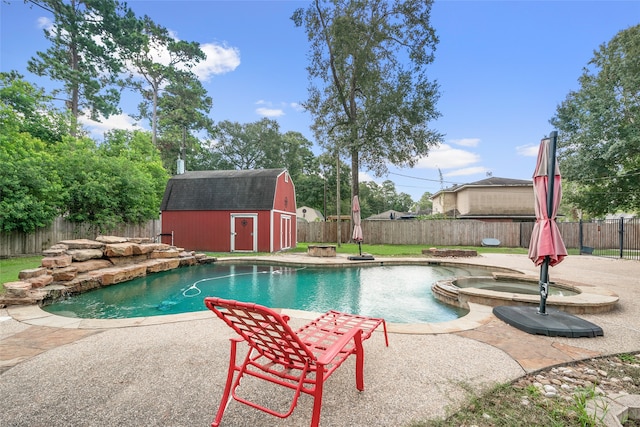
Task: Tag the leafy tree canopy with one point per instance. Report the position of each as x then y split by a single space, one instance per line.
369 93
599 130
30 188
88 43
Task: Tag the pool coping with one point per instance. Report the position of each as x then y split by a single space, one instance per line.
34 315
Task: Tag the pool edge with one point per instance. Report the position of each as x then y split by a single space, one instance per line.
34 315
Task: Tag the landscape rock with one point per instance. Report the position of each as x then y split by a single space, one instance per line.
82 244
32 272
119 249
56 262
94 264
17 289
85 254
111 276
40 281
111 239
64 274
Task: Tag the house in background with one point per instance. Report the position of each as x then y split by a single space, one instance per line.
390 215
309 214
230 211
490 199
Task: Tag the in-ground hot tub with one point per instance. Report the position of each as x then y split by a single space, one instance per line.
504 289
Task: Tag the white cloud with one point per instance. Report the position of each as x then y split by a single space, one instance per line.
119 121
466 171
446 157
527 150
269 112
364 176
296 106
45 23
220 59
466 142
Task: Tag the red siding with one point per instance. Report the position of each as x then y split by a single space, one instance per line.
211 230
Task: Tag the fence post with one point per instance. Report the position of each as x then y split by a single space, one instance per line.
580 236
621 232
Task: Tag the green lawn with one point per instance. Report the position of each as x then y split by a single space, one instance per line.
9 268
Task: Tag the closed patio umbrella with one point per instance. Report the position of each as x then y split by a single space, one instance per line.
357 227
546 247
357 230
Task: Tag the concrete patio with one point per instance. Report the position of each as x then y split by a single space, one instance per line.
169 371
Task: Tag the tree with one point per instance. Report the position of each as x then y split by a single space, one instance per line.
183 108
369 92
30 188
88 38
154 73
35 113
425 204
599 132
250 146
117 182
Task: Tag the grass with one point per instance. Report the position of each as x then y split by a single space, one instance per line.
10 267
509 405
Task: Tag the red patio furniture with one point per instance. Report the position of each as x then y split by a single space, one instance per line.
300 360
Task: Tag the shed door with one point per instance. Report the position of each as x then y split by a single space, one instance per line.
244 233
285 232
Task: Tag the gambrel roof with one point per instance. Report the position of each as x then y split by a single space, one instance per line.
222 190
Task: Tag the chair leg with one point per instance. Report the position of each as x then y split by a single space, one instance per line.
317 396
226 395
359 362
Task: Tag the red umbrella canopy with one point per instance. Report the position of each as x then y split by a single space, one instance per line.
357 228
546 240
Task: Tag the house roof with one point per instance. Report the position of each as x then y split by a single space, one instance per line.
386 215
492 181
221 190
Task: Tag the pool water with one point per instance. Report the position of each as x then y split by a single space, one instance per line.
400 293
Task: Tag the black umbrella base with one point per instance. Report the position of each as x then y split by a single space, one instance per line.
361 258
555 323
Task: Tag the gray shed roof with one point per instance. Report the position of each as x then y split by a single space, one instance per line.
221 190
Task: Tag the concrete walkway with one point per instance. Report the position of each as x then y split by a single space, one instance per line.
169 371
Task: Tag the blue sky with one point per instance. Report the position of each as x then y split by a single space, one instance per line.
502 66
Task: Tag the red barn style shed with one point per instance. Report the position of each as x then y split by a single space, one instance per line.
230 211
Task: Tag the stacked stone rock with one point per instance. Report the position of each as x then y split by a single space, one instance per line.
75 266
435 252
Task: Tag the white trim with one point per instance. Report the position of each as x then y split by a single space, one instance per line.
285 231
234 216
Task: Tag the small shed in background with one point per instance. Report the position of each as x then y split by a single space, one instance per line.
309 214
230 211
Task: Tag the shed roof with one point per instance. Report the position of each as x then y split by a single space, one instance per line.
221 190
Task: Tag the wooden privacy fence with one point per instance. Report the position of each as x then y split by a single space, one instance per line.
437 232
16 244
601 235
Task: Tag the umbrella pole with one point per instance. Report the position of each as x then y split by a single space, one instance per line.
360 248
544 286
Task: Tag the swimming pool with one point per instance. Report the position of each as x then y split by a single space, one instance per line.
399 293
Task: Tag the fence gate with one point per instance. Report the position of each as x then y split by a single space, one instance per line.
613 238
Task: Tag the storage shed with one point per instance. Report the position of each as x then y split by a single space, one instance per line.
230 211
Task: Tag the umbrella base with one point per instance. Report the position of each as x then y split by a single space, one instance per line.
555 323
361 258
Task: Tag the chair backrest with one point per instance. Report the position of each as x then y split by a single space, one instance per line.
264 330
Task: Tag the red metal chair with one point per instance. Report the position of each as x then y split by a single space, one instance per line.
302 360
